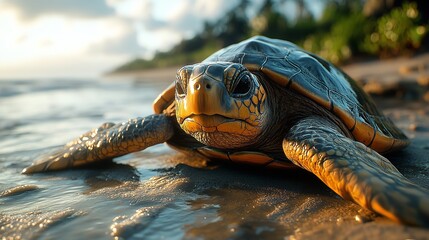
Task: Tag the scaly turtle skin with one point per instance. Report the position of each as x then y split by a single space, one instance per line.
266 102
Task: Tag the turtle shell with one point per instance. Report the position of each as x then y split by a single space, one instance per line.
291 67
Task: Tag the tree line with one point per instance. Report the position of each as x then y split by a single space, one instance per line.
344 30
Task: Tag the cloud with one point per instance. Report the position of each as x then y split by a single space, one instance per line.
79 8
132 9
189 15
60 44
161 24
63 37
124 44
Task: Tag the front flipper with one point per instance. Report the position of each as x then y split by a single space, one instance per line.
356 172
106 142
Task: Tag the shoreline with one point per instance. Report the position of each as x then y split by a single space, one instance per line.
147 75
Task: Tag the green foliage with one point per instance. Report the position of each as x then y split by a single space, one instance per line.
342 40
234 26
396 32
340 31
339 34
269 21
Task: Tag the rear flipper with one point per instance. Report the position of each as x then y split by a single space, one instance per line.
106 142
356 172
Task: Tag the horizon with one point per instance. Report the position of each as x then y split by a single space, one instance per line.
62 39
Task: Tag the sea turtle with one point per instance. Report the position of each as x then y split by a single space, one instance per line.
267 102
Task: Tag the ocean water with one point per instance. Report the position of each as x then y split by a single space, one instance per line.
39 115
156 193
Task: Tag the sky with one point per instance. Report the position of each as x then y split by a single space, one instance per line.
81 38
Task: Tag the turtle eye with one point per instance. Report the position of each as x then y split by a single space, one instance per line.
179 89
243 86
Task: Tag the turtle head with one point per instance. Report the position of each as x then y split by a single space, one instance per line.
220 104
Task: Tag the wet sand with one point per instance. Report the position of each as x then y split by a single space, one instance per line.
161 194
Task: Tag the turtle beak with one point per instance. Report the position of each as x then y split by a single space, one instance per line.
205 96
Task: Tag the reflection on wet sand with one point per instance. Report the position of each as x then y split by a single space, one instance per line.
159 193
